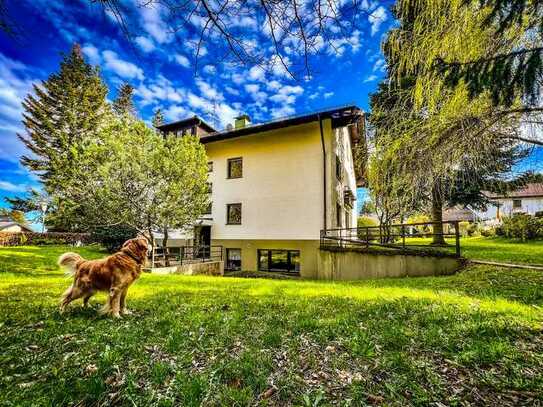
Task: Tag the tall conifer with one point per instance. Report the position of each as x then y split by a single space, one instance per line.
61 116
124 103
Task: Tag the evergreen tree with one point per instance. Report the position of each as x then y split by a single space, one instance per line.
62 116
158 118
124 103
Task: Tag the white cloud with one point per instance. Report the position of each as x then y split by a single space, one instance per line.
314 95
379 65
15 84
158 91
231 90
370 78
145 44
176 112
376 18
294 90
287 94
282 111
210 70
122 68
225 114
153 23
328 95
198 102
10 187
256 73
92 54
182 60
208 91
237 78
252 88
274 85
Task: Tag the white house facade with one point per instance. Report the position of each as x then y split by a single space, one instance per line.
528 199
275 186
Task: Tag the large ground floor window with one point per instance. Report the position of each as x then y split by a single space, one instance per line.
279 260
233 259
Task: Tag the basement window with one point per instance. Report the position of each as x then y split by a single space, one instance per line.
517 203
233 259
287 261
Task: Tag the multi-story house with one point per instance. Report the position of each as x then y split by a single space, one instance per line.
274 186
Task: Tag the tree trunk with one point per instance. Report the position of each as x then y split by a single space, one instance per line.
437 216
165 247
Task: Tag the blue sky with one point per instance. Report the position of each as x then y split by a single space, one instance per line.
159 63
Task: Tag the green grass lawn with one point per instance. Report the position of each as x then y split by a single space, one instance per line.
472 338
501 249
496 249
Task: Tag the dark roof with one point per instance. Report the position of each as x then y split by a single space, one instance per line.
344 113
191 121
529 190
339 114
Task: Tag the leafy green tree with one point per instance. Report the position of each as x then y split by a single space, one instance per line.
140 179
158 118
14 215
367 208
124 102
438 150
61 118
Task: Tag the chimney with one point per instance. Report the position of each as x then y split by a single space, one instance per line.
242 121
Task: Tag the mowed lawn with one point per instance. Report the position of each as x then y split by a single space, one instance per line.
472 338
495 249
501 249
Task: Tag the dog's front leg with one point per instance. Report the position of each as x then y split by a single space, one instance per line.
115 294
124 310
112 304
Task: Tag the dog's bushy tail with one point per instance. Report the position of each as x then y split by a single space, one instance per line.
68 261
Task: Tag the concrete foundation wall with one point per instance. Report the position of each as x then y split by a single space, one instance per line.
209 268
353 265
249 262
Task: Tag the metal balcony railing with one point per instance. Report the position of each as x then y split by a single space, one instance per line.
176 256
404 236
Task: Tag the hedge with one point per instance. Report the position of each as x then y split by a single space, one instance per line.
42 239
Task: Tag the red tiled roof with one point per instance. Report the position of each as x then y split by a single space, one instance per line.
534 189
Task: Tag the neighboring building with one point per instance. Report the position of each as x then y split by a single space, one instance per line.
275 185
8 225
528 199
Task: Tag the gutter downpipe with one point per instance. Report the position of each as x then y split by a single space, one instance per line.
323 169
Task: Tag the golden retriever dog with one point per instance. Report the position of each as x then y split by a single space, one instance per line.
114 274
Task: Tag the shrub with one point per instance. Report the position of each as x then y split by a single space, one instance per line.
420 229
464 225
41 239
113 237
539 214
489 232
523 226
364 221
473 229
